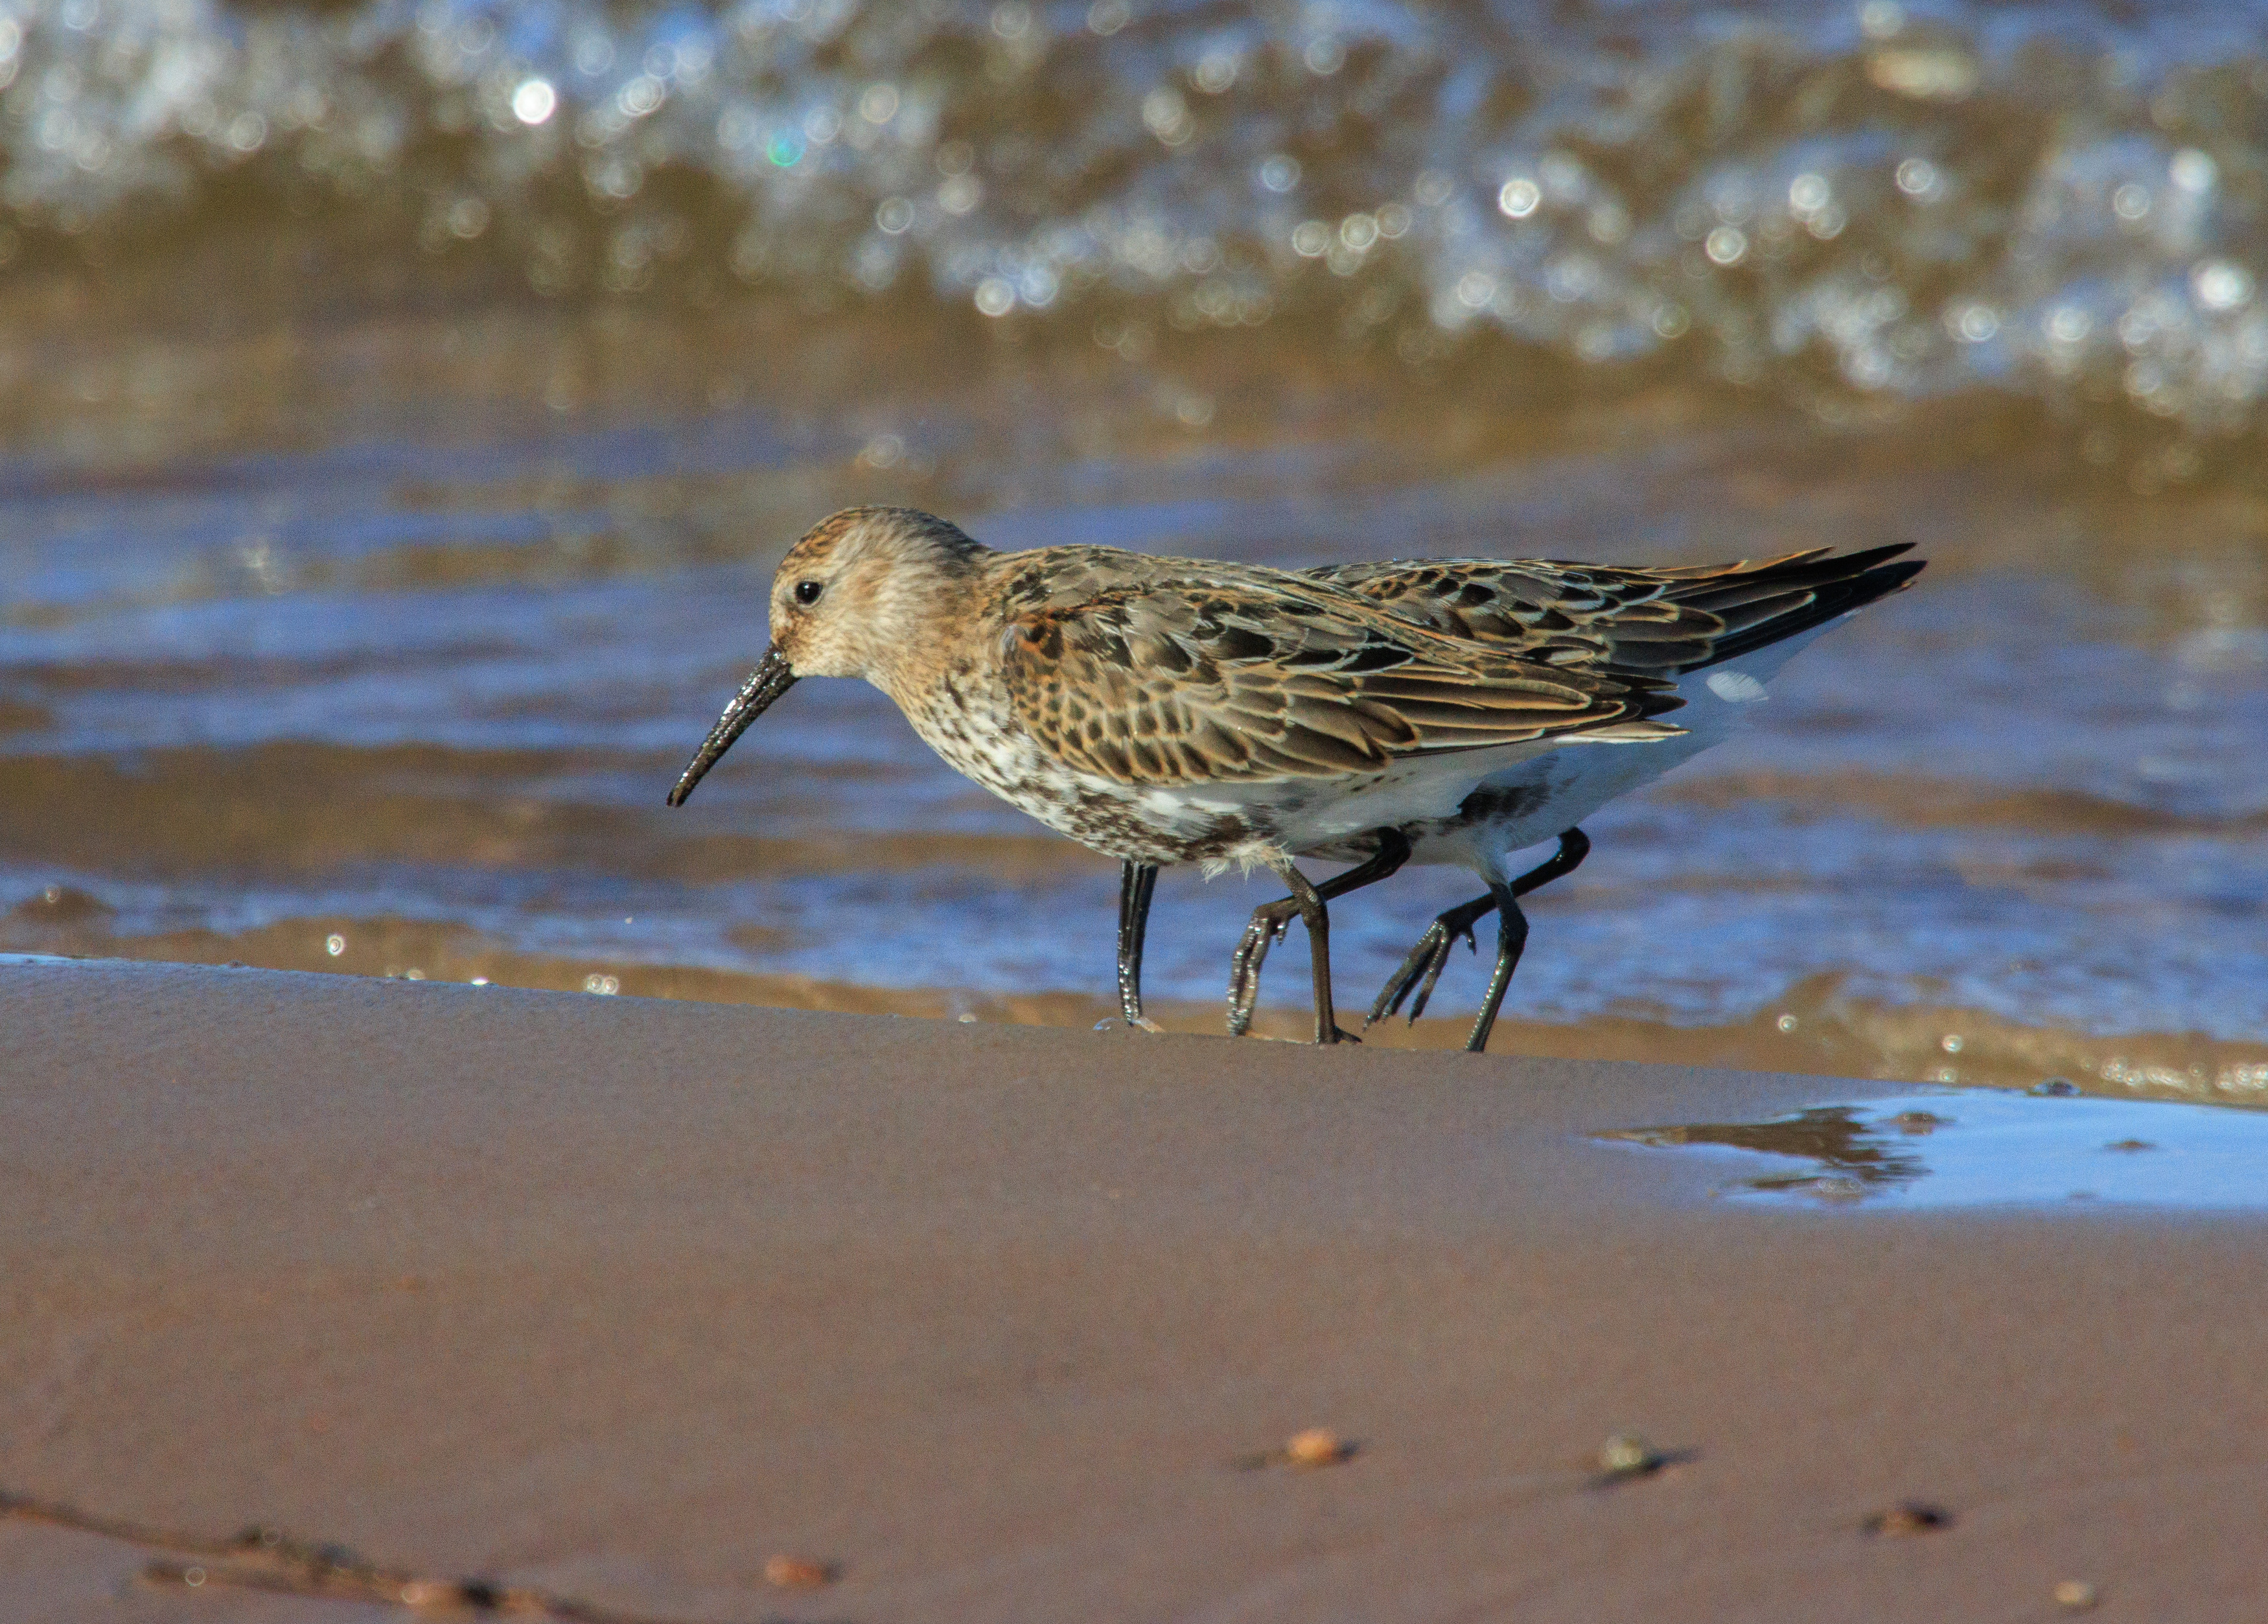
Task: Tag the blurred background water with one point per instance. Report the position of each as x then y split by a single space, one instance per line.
401 406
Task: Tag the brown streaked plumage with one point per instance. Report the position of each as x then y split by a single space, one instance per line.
1738 620
1661 622
1174 710
1208 674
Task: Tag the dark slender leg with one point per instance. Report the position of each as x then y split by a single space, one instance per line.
1270 919
1318 920
1136 881
1422 970
1510 937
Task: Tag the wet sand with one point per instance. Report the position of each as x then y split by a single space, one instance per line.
623 1298
1817 1026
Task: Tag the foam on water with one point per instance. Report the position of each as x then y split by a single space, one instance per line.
1876 200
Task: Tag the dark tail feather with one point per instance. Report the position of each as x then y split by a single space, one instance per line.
1774 603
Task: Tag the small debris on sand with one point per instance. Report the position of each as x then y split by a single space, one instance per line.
1317 1446
2076 1596
1912 1516
451 1593
798 1573
1628 1455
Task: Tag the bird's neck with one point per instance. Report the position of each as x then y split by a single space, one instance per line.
928 616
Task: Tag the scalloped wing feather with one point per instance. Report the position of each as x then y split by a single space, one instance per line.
1654 622
1178 683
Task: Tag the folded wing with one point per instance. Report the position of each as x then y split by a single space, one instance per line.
1639 622
1179 682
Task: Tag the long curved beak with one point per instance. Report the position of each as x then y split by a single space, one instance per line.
768 682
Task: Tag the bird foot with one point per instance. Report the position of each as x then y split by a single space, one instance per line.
1425 963
1269 921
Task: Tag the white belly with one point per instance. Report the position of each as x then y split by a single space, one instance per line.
1558 787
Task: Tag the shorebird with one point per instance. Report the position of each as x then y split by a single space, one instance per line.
1718 632
1175 710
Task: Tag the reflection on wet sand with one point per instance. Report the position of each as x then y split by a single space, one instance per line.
1978 1146
1854 1157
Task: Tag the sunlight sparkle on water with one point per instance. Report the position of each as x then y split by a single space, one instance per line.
534 101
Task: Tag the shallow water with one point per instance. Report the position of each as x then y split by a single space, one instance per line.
1985 1148
363 588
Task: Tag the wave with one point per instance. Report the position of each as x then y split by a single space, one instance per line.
1876 203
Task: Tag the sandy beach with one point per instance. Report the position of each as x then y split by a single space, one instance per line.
622 1298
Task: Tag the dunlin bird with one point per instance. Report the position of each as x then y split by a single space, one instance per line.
1175 710
1718 632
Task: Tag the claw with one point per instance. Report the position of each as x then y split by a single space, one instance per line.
1432 980
1421 971
1430 946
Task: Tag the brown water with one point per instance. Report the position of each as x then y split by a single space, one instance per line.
366 580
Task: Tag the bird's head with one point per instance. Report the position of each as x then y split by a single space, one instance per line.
858 596
862 589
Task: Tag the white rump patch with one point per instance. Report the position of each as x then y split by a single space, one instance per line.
1735 687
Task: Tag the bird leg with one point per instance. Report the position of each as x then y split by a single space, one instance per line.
1136 881
1510 937
1318 920
1427 959
1270 920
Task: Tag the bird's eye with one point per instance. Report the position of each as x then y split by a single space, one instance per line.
807 592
